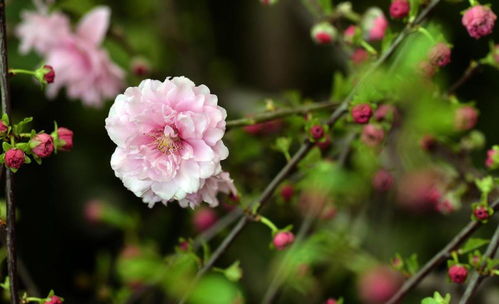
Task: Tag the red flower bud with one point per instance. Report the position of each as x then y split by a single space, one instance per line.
490 162
287 192
204 218
54 300
49 76
458 274
479 21
283 239
3 128
330 301
378 285
14 158
481 213
372 135
140 67
317 132
440 55
42 145
399 9
67 136
361 113
324 33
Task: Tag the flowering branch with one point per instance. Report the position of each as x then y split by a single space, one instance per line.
9 192
307 145
440 257
477 277
266 116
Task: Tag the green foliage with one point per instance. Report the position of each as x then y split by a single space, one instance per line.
437 299
215 289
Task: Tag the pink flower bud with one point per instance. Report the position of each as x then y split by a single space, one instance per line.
324 145
14 158
49 75
440 55
67 136
204 218
317 132
491 161
420 191
374 24
266 127
184 246
372 135
359 56
444 206
93 211
323 33
458 274
379 284
283 239
287 192
42 145
479 21
330 301
361 113
481 213
399 9
382 181
385 112
3 128
349 33
54 300
466 118
427 69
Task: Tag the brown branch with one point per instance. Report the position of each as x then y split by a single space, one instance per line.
468 73
439 258
477 278
266 116
9 178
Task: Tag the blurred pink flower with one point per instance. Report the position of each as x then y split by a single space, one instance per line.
379 284
169 138
42 32
82 66
479 21
203 219
374 24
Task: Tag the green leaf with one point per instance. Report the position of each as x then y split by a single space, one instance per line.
27 160
327 6
234 273
5 118
472 244
283 144
214 289
6 146
412 263
437 299
485 184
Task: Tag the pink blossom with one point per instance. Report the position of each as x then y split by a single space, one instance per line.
330 301
42 145
324 33
479 21
481 213
169 140
399 9
93 211
466 118
361 113
382 181
42 32
359 56
386 112
54 300
491 162
379 284
374 24
287 192
458 274
209 190
82 66
3 128
49 75
349 33
283 239
372 135
317 132
66 136
440 55
14 158
420 190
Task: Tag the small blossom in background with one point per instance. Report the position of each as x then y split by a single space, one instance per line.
479 21
203 219
466 118
458 274
350 33
361 113
359 56
283 239
492 160
379 284
54 300
440 55
287 192
399 9
374 24
168 154
82 66
317 132
372 135
382 180
324 33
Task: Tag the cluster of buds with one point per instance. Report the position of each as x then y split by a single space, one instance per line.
18 146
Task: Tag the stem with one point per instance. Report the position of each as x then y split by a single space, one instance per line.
305 148
21 71
268 223
440 257
425 32
9 177
368 47
476 279
472 68
266 116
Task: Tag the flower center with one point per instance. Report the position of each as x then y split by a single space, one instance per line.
166 141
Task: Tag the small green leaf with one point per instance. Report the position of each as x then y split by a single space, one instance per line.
6 146
473 244
283 144
234 273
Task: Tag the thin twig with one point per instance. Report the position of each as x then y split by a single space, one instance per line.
470 71
440 257
266 116
9 178
477 278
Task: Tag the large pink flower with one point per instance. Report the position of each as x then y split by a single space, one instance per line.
169 138
82 66
209 190
42 32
